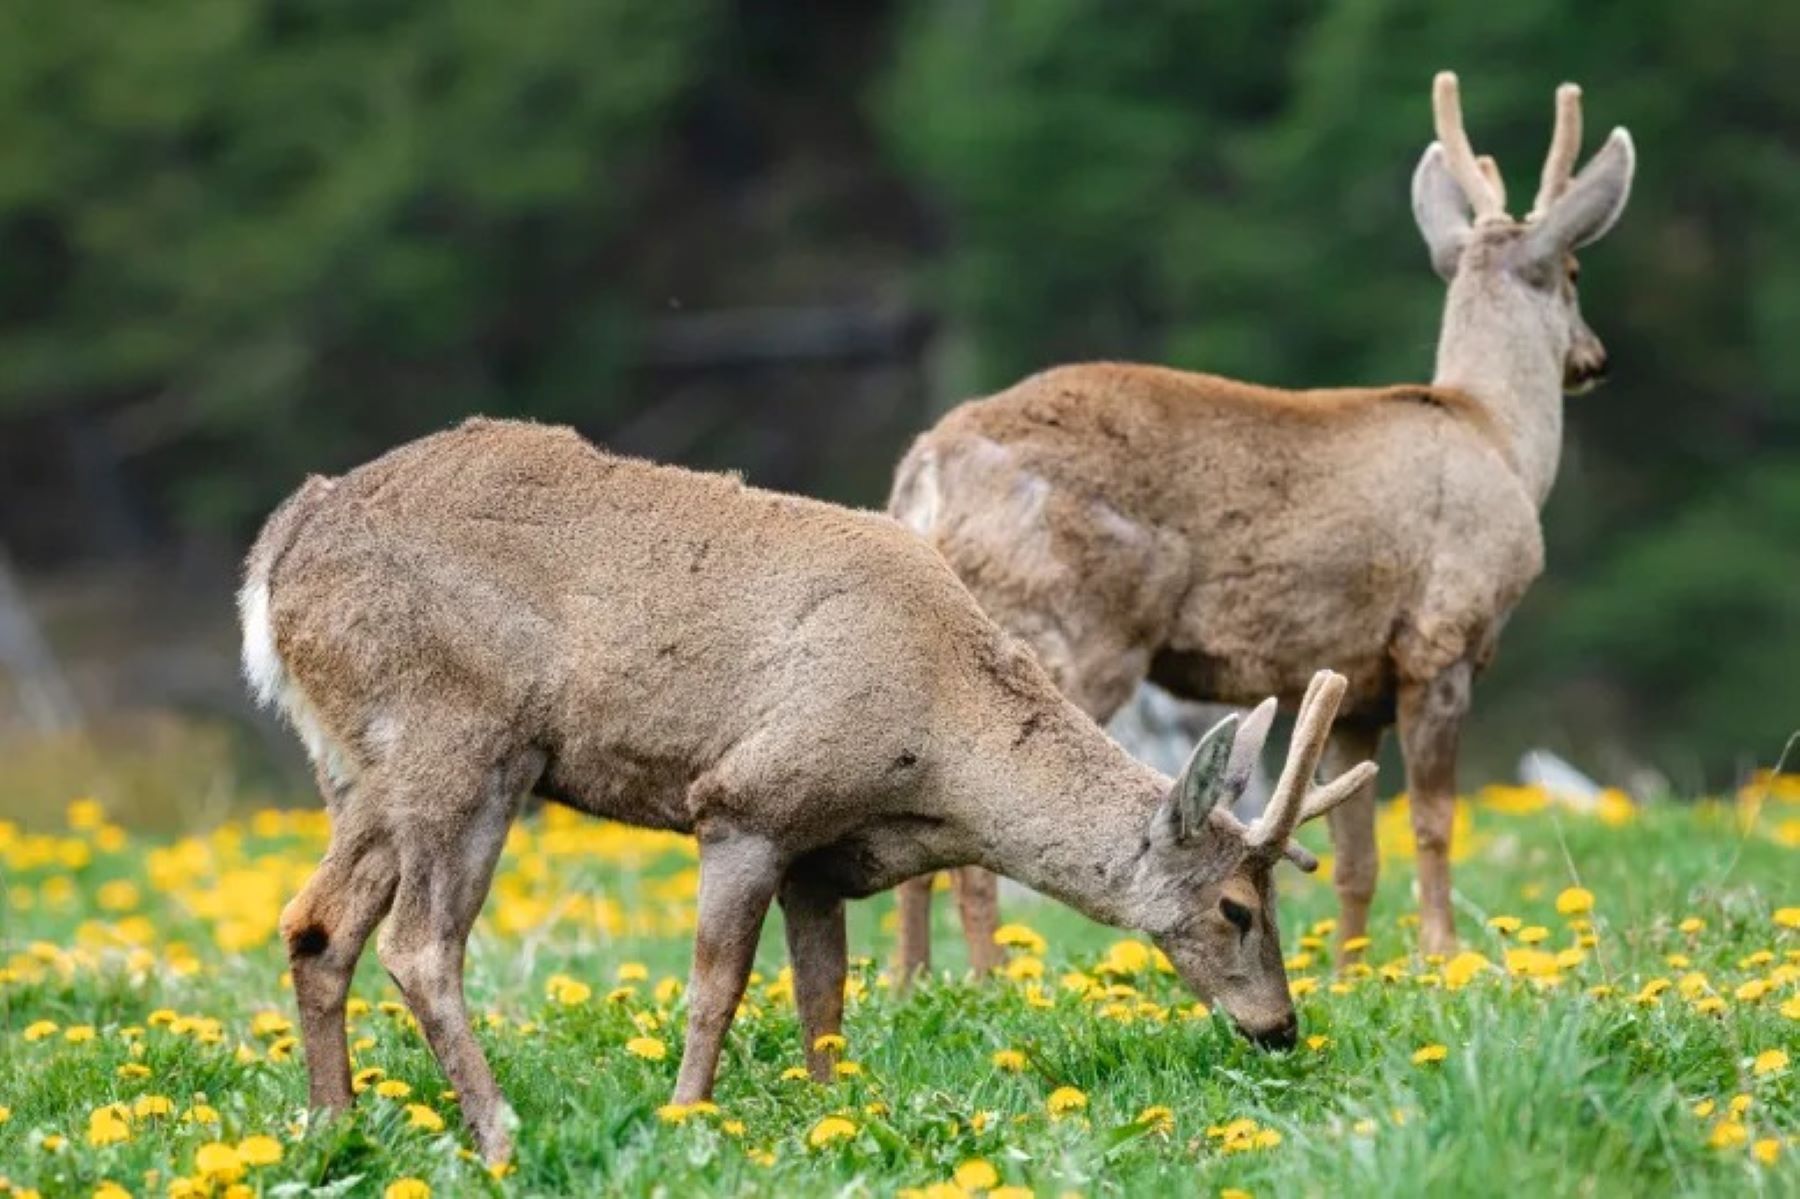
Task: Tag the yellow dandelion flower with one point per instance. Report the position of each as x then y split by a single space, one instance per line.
1739 1104
829 1043
648 1048
111 1190
200 1113
365 1078
1533 935
1024 968
632 972
829 1131
1791 1009
1018 936
1691 925
270 1024
152 1105
1710 1005
976 1175
1317 1042
1010 1192
1787 917
1065 1101
1705 1108
1010 1060
732 1128
847 1069
392 1088
5 1113
1429 1053
1234 1193
418 1115
407 1188
259 1150
38 1030
1462 969
1574 901
1728 1134
1356 944
1752 991
1157 1119
1505 925
133 1070
1766 1150
795 1074
1769 1061
108 1126
567 991
218 1162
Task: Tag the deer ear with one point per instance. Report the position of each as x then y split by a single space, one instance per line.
1591 205
1202 783
1441 210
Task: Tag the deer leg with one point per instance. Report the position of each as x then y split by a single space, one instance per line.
447 862
738 878
978 902
325 928
819 950
915 928
1356 862
1431 715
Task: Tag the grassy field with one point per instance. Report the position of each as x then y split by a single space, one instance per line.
1649 1045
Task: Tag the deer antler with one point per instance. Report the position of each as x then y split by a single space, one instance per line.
1290 805
1481 189
1565 145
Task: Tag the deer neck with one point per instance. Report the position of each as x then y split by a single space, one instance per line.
1051 801
1499 349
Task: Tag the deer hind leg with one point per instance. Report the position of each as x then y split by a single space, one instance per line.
449 825
739 874
1356 861
978 903
915 928
325 928
1431 716
819 950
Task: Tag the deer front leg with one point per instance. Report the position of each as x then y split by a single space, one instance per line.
1431 715
738 878
915 928
1356 861
978 903
819 950
325 928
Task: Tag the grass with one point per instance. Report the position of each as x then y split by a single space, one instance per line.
147 975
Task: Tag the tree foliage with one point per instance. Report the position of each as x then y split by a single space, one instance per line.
1224 187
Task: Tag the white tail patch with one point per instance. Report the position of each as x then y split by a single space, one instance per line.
262 664
273 688
917 507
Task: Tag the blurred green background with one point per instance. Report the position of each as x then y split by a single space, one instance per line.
241 240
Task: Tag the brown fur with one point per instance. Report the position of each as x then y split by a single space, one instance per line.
1224 539
810 691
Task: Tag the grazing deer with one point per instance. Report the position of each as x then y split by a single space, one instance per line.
503 609
1221 539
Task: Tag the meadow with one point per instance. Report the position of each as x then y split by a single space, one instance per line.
1624 1019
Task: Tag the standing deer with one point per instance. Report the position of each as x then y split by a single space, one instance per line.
503 609
1221 538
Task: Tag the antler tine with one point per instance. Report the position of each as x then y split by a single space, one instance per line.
1565 146
1317 711
1459 156
1490 170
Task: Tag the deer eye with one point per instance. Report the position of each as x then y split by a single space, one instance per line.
1237 913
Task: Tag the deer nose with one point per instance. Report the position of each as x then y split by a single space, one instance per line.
1279 1036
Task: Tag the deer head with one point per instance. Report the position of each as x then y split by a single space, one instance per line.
1210 879
1522 273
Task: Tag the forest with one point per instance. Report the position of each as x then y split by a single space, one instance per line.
245 240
